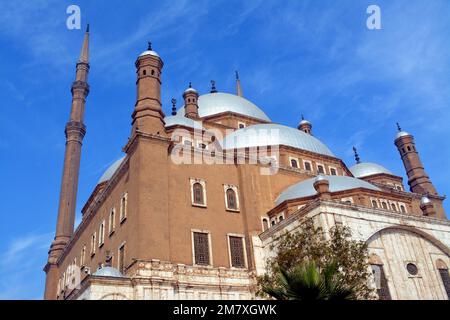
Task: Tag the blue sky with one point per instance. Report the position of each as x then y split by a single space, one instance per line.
314 57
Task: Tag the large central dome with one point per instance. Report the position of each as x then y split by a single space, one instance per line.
219 102
271 134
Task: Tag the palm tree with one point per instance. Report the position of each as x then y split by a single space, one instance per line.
309 282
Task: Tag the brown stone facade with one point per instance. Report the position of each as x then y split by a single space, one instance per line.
141 220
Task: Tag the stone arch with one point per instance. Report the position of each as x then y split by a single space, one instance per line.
419 232
114 296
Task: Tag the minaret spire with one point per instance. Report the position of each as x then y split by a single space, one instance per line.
84 55
357 158
238 85
75 131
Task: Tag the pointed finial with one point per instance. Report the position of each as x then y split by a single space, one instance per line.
149 48
237 75
213 86
358 160
190 84
84 54
303 118
174 108
398 127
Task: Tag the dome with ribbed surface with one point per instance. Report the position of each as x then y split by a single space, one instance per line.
219 102
111 170
365 169
108 272
274 134
337 183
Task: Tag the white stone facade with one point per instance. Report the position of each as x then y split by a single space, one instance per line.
397 239
157 280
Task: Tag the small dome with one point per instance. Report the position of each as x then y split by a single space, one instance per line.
215 103
108 272
365 169
190 89
149 52
424 201
111 170
402 134
303 122
337 183
271 134
320 178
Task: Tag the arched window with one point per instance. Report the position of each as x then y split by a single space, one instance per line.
384 204
265 223
394 207
294 163
402 209
374 204
409 148
197 190
379 277
153 72
231 199
144 72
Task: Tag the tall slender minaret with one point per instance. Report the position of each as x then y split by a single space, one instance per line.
238 86
75 131
418 180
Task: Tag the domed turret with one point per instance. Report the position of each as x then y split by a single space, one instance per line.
190 97
305 126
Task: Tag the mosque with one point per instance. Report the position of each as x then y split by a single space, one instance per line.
160 224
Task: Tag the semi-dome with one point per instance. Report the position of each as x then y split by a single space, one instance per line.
218 102
180 119
111 170
337 183
274 134
108 272
365 169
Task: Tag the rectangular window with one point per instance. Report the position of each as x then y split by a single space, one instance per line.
445 280
93 243
201 248
112 221
237 252
101 234
83 256
121 259
320 169
307 165
333 172
123 207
